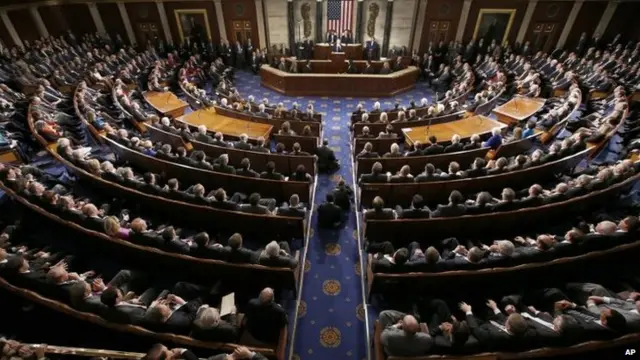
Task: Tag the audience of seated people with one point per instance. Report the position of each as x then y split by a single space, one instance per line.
576 313
478 168
451 255
510 200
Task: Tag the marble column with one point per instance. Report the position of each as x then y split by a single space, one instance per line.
291 24
417 33
387 28
528 14
42 29
359 22
220 20
126 22
95 14
260 18
11 29
320 15
606 17
164 22
464 17
569 23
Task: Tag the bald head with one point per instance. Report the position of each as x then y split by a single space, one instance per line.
266 295
410 324
606 227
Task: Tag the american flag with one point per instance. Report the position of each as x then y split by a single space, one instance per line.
339 15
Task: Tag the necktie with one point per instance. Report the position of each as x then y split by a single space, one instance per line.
538 320
498 326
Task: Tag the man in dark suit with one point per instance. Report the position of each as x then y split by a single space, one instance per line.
270 172
346 37
162 318
378 211
372 50
376 176
239 254
330 215
455 207
429 174
264 317
368 68
126 308
331 37
293 209
343 195
417 210
245 169
254 206
203 247
500 332
433 147
277 255
222 202
327 160
210 326
443 81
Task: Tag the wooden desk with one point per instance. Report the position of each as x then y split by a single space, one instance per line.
337 63
228 126
321 51
357 85
166 103
518 109
464 127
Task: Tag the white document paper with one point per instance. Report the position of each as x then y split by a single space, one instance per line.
227 304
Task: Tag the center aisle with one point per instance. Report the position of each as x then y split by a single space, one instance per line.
330 323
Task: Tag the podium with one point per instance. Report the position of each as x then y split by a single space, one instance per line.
353 51
323 51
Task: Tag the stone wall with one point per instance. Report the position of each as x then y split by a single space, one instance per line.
276 11
402 22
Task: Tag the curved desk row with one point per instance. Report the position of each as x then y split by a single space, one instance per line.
356 85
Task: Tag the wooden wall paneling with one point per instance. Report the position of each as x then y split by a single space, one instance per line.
519 5
145 22
587 20
170 8
242 14
54 19
24 24
441 19
546 24
79 19
112 20
624 21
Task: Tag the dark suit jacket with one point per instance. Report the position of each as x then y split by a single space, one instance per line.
433 149
385 214
491 338
258 209
181 320
329 214
453 148
373 179
449 210
264 321
411 213
241 256
225 331
278 261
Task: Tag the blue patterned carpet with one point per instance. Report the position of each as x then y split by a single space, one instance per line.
330 322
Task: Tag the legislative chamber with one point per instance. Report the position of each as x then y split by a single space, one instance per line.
313 180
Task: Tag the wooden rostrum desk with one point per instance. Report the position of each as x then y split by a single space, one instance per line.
332 83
